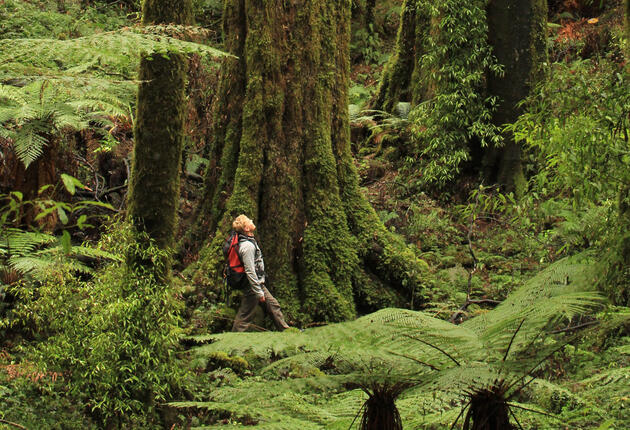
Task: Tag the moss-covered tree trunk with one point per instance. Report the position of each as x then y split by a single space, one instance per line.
283 144
624 192
401 80
517 35
159 130
517 32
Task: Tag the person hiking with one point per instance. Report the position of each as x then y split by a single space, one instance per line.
253 284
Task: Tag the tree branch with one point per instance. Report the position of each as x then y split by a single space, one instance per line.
16 425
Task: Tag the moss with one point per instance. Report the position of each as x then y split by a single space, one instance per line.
227 129
401 81
167 12
154 187
159 132
294 164
221 360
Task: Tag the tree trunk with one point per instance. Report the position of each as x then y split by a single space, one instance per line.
369 15
285 161
401 80
226 129
517 32
624 192
29 181
159 130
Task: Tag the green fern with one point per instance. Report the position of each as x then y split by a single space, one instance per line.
492 353
115 54
55 85
31 116
33 253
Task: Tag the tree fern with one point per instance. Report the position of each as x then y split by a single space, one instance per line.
34 113
490 356
34 253
53 85
115 54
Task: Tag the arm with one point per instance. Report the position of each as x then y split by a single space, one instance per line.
247 252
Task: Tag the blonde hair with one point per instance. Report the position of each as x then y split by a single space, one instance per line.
240 222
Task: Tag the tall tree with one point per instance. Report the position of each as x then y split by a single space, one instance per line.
516 32
401 81
283 142
159 130
518 35
624 192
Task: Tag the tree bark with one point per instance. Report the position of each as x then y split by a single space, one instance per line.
401 80
159 130
517 33
624 192
285 161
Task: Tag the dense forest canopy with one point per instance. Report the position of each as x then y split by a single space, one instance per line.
441 192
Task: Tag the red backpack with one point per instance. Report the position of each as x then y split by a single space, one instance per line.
234 270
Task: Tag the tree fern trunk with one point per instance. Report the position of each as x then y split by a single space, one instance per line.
285 161
41 172
159 130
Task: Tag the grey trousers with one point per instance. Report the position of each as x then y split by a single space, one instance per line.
247 311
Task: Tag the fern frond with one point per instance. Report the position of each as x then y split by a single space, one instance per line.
18 242
95 253
10 94
103 53
32 265
307 403
28 144
558 293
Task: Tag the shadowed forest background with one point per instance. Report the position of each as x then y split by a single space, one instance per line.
441 192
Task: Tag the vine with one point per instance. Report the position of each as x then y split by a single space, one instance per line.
457 59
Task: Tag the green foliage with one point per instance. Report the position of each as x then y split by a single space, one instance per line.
394 346
577 125
366 47
37 401
455 59
34 253
34 115
75 84
113 338
60 19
